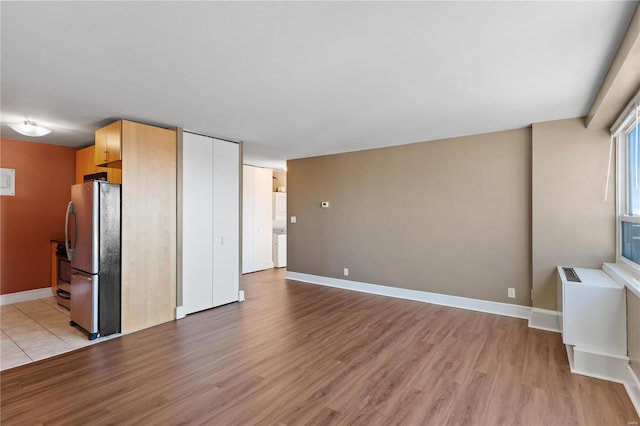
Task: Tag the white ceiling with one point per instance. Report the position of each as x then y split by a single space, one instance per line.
299 79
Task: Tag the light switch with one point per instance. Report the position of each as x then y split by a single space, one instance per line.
325 204
293 219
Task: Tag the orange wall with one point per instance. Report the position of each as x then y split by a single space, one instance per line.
35 215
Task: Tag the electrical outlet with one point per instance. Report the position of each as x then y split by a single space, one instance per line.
346 272
511 292
293 219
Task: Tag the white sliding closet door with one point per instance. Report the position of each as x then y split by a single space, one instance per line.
247 219
197 226
210 222
226 222
257 219
262 219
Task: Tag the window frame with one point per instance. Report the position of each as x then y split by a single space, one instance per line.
623 126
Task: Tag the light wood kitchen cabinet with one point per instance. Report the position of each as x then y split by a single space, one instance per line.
85 165
149 239
147 159
108 151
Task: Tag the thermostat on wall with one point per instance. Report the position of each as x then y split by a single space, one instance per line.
325 204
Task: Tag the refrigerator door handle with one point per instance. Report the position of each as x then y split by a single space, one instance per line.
71 210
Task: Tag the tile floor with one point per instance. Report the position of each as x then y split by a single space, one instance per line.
38 329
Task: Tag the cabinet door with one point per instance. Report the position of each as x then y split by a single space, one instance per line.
197 225
114 142
100 148
85 163
226 222
280 250
108 148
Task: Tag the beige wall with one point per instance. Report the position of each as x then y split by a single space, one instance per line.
633 331
450 216
572 224
280 179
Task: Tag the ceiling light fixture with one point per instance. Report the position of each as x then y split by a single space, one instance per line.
29 128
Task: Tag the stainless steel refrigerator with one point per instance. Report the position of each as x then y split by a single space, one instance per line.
92 241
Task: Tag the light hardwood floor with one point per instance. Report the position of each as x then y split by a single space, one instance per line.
296 353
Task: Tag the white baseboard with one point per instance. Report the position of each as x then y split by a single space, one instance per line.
180 313
632 385
611 367
544 319
25 296
498 308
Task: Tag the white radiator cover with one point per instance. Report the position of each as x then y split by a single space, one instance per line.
593 321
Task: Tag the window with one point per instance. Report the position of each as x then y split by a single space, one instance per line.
626 132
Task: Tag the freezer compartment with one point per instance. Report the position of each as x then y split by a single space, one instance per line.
84 302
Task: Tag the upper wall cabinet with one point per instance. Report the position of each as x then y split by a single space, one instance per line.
85 165
108 151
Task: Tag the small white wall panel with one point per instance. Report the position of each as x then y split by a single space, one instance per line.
279 250
226 222
197 247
